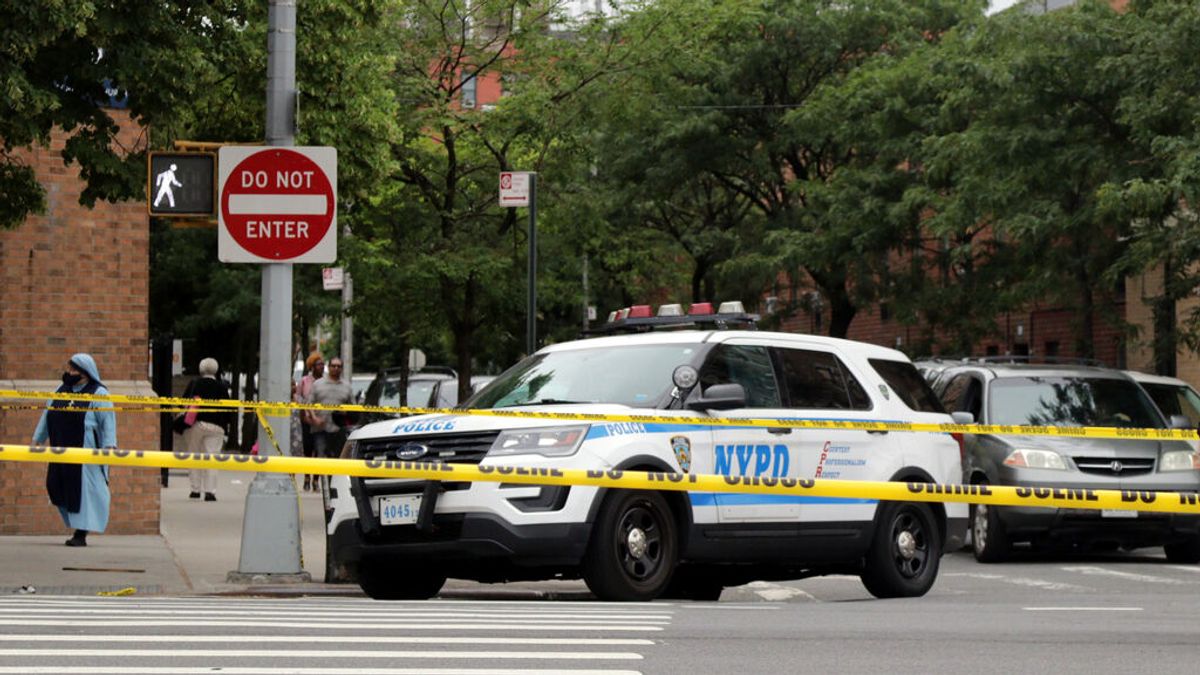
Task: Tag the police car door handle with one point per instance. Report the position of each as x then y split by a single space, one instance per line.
881 432
779 430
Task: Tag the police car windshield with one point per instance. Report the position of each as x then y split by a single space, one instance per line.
1071 402
636 376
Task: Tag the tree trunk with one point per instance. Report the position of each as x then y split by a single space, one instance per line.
1085 342
1165 328
841 306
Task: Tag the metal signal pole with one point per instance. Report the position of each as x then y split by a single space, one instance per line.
271 525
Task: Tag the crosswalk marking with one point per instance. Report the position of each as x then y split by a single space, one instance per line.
175 652
325 639
350 615
292 670
375 625
77 635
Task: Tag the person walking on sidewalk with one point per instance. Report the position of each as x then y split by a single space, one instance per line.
328 435
315 365
80 491
208 433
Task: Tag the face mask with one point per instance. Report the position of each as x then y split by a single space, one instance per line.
71 380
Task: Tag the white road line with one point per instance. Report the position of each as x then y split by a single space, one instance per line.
1082 609
1195 569
175 652
323 602
277 204
345 616
330 639
777 592
1021 581
319 603
1131 576
376 625
757 607
290 670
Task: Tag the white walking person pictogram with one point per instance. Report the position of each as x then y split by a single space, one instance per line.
165 181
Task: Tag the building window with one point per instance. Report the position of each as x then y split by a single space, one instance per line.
468 93
1051 348
885 312
992 350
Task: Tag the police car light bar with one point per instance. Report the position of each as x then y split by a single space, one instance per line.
639 318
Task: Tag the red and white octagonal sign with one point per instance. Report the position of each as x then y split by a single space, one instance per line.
277 204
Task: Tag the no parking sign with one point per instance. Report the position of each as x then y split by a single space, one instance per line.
277 204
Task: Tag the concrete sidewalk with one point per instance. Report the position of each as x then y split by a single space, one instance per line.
199 545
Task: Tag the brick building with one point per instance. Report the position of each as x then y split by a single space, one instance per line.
76 280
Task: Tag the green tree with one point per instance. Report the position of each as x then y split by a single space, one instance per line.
1160 105
459 259
764 119
1029 133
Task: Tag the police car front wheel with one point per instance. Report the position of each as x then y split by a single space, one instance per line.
633 548
905 551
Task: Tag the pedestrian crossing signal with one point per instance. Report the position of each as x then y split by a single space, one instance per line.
181 184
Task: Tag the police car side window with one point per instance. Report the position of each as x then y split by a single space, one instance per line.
819 380
952 396
908 384
745 365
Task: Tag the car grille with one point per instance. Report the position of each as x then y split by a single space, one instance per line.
1115 466
449 448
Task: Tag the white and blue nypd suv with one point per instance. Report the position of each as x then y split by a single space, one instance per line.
403 538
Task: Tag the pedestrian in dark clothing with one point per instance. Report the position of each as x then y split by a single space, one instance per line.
80 491
207 434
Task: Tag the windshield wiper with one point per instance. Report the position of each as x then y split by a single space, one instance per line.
546 401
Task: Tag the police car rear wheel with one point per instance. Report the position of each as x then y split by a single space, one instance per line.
381 581
905 552
633 548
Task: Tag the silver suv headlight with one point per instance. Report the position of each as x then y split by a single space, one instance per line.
548 442
1036 459
1180 460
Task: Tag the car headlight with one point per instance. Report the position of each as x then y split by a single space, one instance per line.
1180 460
1036 459
548 442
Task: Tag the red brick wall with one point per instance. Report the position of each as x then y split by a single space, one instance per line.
76 280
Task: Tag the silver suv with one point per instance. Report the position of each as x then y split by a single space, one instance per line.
1069 395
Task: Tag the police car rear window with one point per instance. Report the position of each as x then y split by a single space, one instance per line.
908 384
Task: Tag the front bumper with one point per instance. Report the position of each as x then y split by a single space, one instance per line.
480 546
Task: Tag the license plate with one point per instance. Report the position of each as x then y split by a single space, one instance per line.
1118 513
399 510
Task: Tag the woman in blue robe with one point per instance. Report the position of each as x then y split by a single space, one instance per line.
80 491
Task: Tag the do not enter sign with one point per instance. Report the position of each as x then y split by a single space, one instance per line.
277 204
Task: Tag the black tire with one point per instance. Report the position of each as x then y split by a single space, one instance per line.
1186 552
693 584
633 548
989 538
398 582
905 553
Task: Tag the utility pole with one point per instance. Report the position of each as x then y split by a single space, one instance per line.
531 326
271 525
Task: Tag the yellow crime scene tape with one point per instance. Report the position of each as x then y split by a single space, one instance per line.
997 495
279 409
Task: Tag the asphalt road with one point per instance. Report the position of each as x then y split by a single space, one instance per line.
1066 614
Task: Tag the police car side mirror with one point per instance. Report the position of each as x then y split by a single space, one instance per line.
1180 422
962 417
720 397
